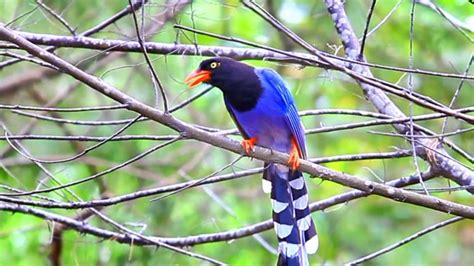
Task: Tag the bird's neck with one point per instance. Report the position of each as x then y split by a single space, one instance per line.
241 103
243 95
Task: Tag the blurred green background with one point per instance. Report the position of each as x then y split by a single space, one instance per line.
346 231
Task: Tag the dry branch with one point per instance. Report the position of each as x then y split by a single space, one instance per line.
225 143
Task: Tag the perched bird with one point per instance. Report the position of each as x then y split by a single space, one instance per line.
262 107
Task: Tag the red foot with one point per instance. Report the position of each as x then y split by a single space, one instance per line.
248 144
294 160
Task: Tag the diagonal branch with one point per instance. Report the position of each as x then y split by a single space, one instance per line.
231 234
448 168
231 145
405 241
204 50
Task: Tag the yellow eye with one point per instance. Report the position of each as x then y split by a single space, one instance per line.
214 64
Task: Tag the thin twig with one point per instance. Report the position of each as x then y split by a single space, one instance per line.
84 152
83 180
57 17
442 189
456 93
89 32
201 180
124 12
457 24
411 88
370 80
405 241
263 52
259 153
28 59
367 24
155 78
55 109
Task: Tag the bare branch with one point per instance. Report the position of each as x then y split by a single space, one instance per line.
262 52
219 141
405 241
89 32
95 176
28 59
124 12
83 227
223 236
367 24
382 103
57 16
456 93
82 153
52 109
154 75
457 24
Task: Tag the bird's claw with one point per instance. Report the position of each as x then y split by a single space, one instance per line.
294 160
248 145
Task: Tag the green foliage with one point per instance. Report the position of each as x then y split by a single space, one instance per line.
346 232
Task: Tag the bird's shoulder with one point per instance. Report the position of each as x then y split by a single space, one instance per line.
270 79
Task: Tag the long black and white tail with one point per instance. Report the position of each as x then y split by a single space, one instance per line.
292 220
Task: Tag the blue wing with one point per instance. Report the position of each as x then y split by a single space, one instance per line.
271 79
242 131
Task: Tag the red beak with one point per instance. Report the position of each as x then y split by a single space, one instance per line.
197 77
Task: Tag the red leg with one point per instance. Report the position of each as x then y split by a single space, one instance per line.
294 160
248 144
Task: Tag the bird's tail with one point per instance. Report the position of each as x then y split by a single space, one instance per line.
292 220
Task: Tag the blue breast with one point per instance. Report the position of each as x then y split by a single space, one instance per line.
267 121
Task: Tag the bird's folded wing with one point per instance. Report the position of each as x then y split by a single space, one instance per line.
272 80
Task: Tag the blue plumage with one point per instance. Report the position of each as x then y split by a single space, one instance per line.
274 121
263 109
272 82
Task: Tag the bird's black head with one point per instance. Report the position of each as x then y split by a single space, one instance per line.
224 73
238 81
